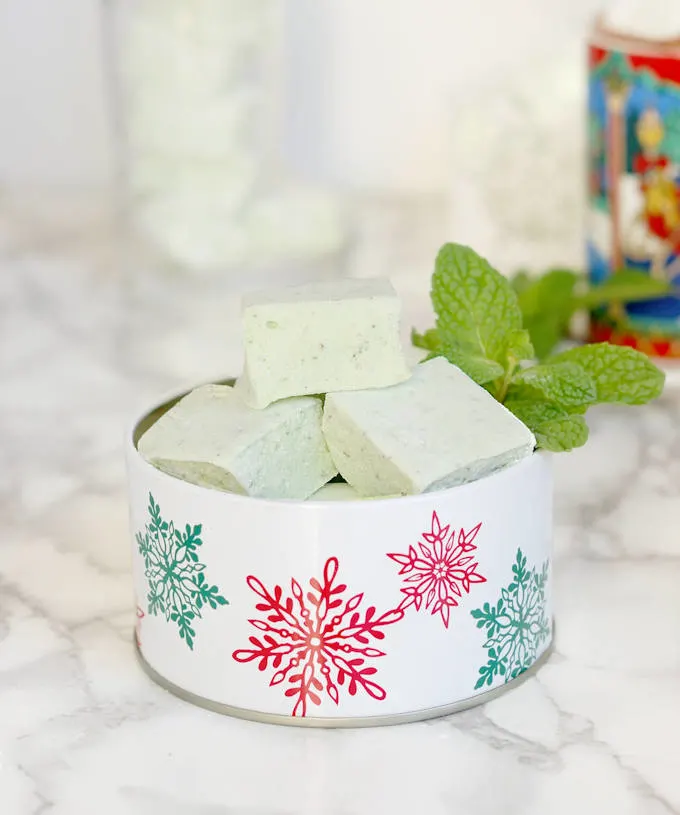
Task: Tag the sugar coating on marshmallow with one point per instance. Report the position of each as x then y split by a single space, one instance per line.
321 337
211 438
437 430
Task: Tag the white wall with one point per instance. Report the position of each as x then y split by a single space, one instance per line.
376 83
53 123
395 71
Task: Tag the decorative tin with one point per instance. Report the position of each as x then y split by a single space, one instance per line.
634 181
341 613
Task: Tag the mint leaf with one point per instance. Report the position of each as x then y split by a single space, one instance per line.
549 301
534 412
551 292
521 281
566 383
518 345
546 331
547 306
429 341
626 286
554 428
478 368
476 306
620 374
562 435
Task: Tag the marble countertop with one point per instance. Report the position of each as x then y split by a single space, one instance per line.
86 334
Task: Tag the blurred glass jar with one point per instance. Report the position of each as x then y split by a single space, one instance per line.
198 94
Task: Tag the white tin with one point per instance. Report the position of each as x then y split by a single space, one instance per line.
370 612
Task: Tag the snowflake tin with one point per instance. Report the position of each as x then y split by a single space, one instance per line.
347 613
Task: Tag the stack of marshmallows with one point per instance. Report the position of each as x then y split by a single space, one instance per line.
325 391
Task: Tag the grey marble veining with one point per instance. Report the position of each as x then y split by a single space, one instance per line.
85 337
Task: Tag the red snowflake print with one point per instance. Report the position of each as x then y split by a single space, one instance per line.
316 641
444 569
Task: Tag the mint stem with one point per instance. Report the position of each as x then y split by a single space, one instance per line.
505 381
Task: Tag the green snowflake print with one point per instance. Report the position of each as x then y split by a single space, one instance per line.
178 588
517 626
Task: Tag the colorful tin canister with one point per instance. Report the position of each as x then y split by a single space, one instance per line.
347 613
634 181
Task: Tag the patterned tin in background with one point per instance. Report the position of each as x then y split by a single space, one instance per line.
634 181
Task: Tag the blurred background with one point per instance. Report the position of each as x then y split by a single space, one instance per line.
431 99
373 89
182 152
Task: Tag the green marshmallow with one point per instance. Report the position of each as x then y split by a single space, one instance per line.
321 337
212 439
437 430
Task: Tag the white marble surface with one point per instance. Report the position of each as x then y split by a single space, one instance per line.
85 334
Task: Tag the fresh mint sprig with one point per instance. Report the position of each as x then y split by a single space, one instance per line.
549 302
480 328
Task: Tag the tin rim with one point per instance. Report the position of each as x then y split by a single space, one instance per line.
346 722
149 415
